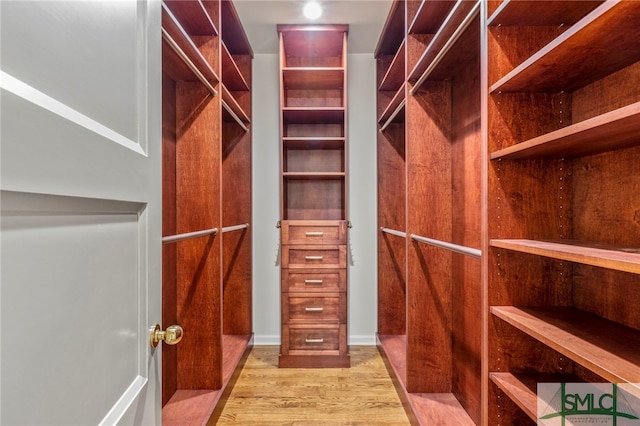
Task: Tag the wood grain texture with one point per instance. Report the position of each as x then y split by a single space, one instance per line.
267 395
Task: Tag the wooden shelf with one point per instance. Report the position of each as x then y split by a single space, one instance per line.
392 34
313 78
616 258
522 388
587 52
397 116
313 143
231 75
604 347
316 41
232 107
394 78
233 34
313 175
613 130
311 115
430 16
441 54
176 65
541 13
194 17
395 103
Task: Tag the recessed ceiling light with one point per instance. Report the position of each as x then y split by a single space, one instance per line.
312 10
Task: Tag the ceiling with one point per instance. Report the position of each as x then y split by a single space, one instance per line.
365 18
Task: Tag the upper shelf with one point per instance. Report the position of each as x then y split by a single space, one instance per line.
593 48
616 258
317 43
231 75
194 17
602 346
613 130
394 76
452 46
233 33
311 115
393 32
430 16
313 78
184 61
394 104
233 109
541 13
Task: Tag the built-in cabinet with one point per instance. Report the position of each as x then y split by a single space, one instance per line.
313 225
206 204
508 202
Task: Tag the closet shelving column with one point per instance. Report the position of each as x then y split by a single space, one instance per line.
430 305
564 199
314 211
196 372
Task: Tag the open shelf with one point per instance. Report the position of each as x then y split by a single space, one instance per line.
232 108
313 143
541 13
612 130
312 115
313 78
233 34
602 346
194 17
314 46
313 175
615 258
183 55
453 29
393 31
393 106
430 16
585 53
394 78
231 75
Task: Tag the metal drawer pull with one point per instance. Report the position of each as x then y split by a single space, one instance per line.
314 234
313 257
313 340
312 309
313 281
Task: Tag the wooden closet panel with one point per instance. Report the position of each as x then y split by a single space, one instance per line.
392 287
391 178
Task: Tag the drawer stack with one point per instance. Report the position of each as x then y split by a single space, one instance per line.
314 294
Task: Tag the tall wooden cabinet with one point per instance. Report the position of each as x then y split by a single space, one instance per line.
509 200
206 204
313 106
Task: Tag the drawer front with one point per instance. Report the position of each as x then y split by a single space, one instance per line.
329 308
314 232
314 339
314 280
330 256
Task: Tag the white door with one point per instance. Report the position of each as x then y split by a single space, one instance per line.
80 226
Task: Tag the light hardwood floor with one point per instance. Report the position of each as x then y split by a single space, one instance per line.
267 395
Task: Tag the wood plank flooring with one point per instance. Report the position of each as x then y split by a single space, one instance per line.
267 395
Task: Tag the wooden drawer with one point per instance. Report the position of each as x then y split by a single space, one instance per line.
303 308
330 256
314 232
314 280
314 338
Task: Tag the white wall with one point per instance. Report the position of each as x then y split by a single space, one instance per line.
362 199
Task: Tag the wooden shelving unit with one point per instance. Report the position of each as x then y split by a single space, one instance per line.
429 146
206 186
563 192
313 70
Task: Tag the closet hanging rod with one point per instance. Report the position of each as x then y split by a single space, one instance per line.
234 227
394 232
393 115
445 49
188 62
448 246
235 116
188 235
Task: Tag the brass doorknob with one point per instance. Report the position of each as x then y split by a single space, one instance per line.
171 336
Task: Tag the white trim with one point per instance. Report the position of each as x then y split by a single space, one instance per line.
362 340
266 340
122 405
